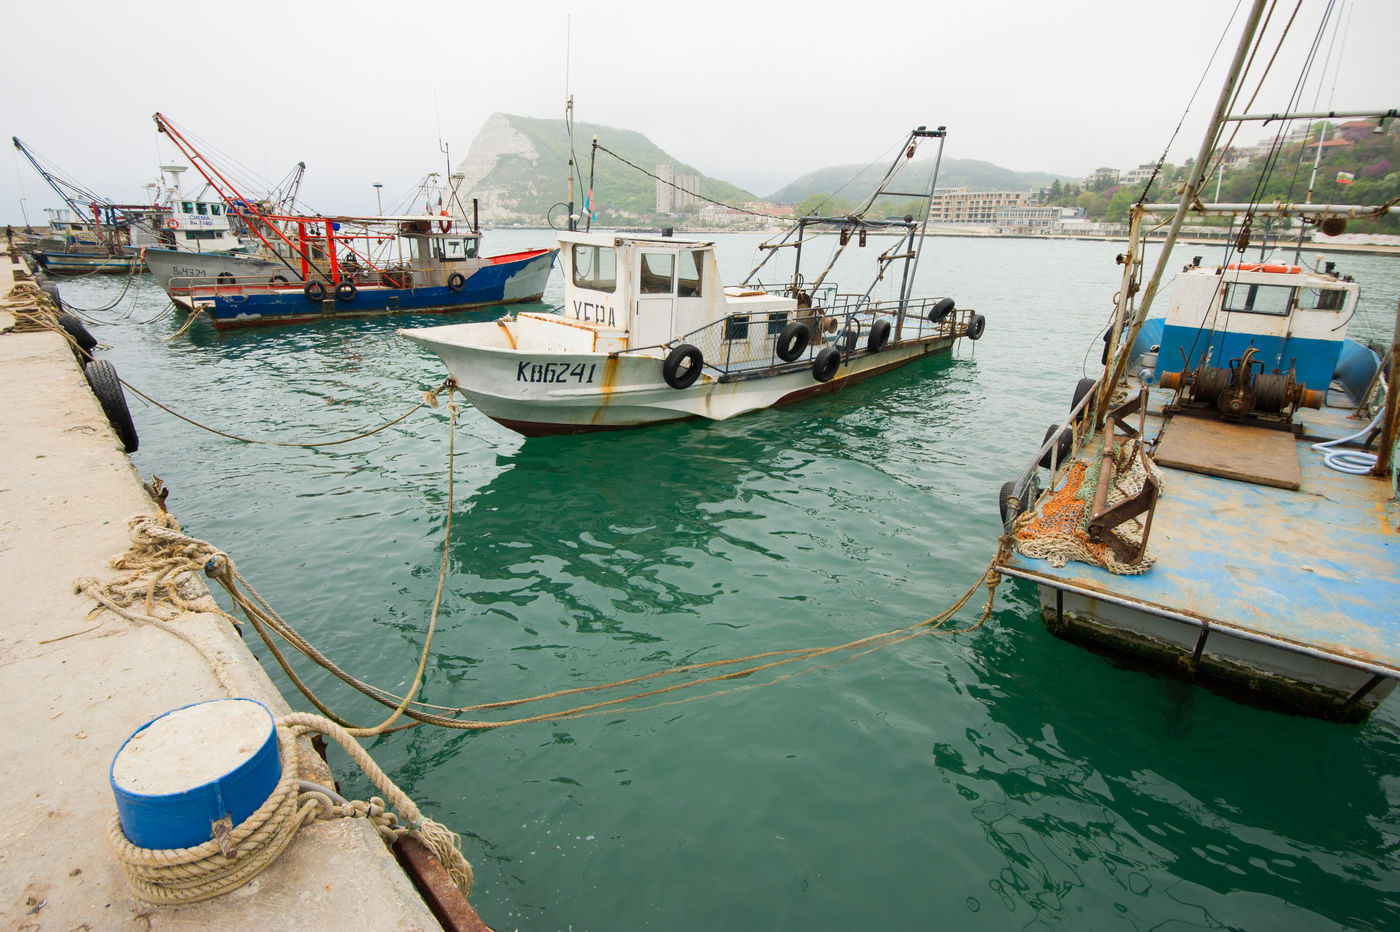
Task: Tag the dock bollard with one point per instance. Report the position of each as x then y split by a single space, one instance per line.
185 774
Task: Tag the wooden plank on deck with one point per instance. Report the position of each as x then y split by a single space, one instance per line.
1232 451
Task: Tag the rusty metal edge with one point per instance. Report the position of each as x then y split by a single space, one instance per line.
447 903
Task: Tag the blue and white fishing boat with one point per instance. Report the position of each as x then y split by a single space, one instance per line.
1221 501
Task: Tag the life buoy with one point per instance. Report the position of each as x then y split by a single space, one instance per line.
444 226
826 364
976 326
102 378
173 224
1261 267
879 336
456 281
346 290
682 366
314 291
941 310
792 341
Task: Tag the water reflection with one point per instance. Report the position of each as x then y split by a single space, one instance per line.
1229 808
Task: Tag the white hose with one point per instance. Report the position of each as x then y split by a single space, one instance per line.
1355 462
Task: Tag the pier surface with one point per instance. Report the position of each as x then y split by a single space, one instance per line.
77 685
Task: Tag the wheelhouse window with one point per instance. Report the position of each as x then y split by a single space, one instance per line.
688 275
658 269
187 206
776 323
1250 298
736 327
1322 299
595 267
216 209
455 249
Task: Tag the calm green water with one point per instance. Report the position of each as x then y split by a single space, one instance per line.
998 779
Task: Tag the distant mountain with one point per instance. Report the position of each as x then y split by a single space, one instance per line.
855 182
517 168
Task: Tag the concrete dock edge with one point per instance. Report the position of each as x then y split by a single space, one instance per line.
77 684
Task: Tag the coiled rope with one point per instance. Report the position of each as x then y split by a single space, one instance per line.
187 875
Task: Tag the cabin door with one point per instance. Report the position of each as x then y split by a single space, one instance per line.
656 301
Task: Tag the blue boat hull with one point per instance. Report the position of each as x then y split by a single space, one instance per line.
504 282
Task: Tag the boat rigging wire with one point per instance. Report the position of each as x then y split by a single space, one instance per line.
696 194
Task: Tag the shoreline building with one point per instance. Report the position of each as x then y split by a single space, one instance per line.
675 192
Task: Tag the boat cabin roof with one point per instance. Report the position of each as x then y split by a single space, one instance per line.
620 239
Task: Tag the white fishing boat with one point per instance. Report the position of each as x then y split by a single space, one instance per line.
1221 501
648 332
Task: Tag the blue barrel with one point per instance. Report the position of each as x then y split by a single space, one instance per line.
181 772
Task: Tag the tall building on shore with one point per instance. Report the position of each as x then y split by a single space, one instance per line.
675 192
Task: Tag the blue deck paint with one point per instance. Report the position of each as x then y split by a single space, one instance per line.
1320 566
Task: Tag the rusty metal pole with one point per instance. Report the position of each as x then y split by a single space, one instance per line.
1392 403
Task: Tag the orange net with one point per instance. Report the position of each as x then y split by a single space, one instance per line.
1058 529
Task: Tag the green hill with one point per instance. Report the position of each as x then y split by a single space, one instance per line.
855 182
518 167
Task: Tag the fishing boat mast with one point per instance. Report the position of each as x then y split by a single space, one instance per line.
1118 351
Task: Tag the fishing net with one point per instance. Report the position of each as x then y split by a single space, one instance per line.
1057 530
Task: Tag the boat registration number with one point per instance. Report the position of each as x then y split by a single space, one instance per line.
556 372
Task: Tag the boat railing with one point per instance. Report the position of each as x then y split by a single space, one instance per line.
1055 454
750 345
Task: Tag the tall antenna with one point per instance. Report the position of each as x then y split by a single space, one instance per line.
569 114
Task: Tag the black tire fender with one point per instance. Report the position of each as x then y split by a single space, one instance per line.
793 341
74 328
456 281
1084 387
1004 503
682 366
826 364
315 291
941 310
102 378
976 327
1060 450
879 335
346 290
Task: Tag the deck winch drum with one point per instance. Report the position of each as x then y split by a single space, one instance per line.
183 771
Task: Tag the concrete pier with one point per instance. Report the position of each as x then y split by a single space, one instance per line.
75 685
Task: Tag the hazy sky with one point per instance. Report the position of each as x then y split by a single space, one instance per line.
753 93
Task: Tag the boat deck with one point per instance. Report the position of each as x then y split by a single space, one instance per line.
1315 571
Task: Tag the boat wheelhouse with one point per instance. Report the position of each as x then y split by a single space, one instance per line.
649 333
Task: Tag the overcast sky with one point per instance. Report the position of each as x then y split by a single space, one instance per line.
751 92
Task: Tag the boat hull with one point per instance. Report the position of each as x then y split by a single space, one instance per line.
506 280
538 393
1233 659
74 263
169 265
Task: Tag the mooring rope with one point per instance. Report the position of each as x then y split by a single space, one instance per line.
187 875
162 558
429 398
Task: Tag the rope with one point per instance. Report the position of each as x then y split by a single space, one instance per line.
189 875
429 398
